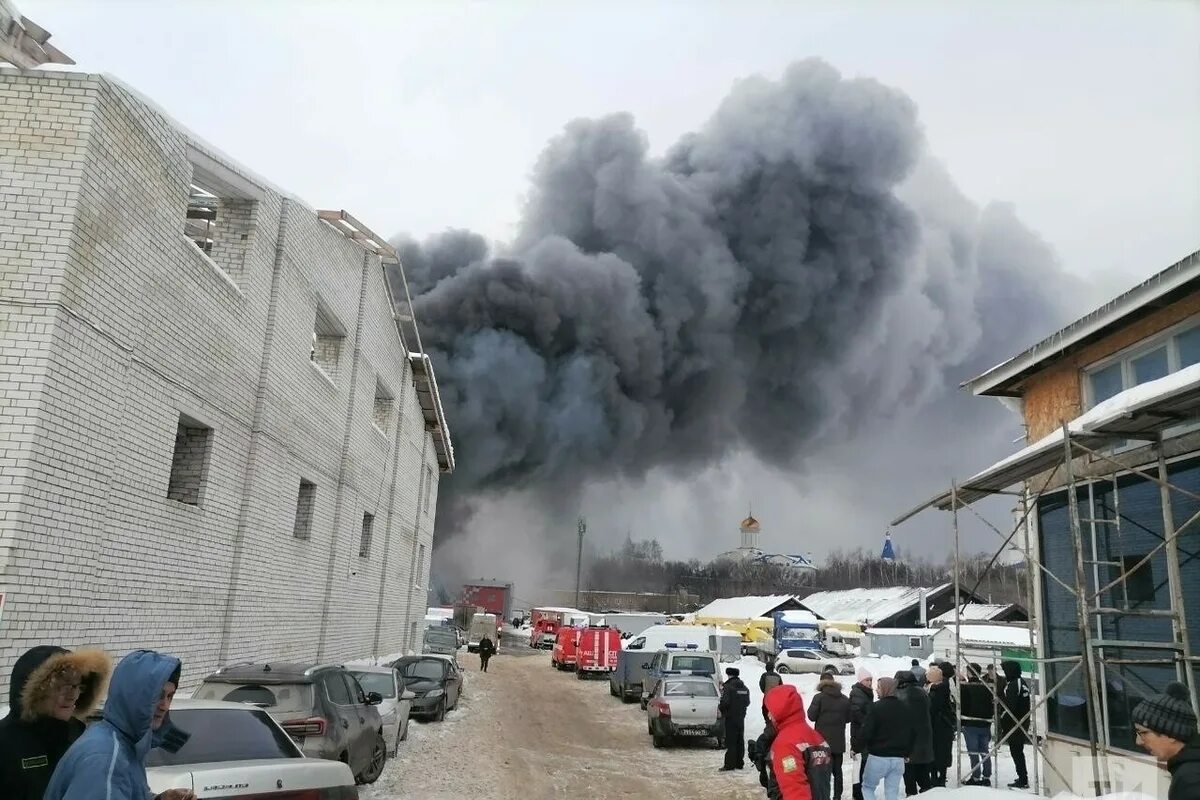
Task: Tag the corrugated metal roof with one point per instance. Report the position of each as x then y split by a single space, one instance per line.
866 606
972 611
749 607
1000 635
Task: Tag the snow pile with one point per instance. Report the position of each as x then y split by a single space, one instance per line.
749 607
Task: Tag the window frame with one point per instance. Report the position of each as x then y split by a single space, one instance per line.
1126 356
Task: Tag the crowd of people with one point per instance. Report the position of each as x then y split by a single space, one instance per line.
903 729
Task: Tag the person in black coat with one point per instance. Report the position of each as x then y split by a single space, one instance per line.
920 761
50 692
735 699
1165 725
887 737
978 713
1012 692
487 649
943 718
829 711
861 699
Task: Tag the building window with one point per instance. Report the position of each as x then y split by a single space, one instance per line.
364 542
1167 353
220 226
385 405
302 529
914 642
189 462
327 340
428 487
417 579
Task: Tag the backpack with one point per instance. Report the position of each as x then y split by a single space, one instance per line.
818 767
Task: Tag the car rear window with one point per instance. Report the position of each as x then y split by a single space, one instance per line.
422 669
380 682
689 689
694 663
225 734
282 698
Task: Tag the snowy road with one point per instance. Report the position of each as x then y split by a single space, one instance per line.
524 730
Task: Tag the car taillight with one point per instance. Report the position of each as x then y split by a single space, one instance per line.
313 726
663 707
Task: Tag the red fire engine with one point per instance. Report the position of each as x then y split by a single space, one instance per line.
565 646
596 650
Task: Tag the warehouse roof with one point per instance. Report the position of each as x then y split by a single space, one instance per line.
750 607
868 606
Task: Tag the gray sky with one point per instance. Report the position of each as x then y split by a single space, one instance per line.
421 116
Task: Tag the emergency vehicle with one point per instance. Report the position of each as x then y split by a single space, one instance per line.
562 656
597 650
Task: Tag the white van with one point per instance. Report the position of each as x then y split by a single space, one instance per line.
726 644
481 625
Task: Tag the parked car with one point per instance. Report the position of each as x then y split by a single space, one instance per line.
684 706
436 682
397 702
240 747
688 661
443 639
814 661
323 708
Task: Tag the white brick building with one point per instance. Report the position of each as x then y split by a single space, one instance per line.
228 456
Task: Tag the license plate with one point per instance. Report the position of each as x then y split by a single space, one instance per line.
693 732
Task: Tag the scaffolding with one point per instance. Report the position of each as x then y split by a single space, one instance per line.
1090 443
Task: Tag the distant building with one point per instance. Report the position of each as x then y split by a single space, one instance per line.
899 642
983 612
749 551
885 606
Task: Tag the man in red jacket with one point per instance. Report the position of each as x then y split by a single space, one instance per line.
797 748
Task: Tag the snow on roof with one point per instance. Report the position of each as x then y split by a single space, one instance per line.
1006 635
866 606
902 631
750 607
972 611
799 616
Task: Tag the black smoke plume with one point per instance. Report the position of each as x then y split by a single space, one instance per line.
797 265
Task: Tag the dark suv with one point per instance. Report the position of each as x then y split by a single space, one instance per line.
323 708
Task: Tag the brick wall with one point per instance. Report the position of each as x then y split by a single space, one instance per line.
113 326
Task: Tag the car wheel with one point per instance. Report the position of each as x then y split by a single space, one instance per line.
440 713
580 673
782 669
612 689
659 741
375 767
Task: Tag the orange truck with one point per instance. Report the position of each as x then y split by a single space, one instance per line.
596 651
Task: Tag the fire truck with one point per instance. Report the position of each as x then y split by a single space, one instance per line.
596 651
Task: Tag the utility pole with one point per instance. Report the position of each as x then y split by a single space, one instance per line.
579 559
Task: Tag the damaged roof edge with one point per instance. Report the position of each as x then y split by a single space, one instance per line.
1001 379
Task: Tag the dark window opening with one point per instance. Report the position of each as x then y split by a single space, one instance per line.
364 543
189 461
305 502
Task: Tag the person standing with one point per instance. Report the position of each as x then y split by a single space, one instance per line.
978 712
486 650
766 682
108 762
830 714
861 697
1013 694
943 718
800 759
920 760
887 738
1165 725
735 699
918 672
989 676
50 693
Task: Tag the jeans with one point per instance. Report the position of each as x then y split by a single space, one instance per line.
979 741
883 768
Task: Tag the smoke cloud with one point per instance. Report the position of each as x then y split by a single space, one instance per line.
797 272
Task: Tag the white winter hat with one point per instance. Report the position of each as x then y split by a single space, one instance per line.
863 674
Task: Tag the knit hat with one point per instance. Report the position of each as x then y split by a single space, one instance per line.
885 687
1169 713
863 674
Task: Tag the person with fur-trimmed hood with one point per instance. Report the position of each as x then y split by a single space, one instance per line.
50 693
108 762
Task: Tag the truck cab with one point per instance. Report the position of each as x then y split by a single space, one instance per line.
677 659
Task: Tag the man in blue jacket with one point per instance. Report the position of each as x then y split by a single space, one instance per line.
109 761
